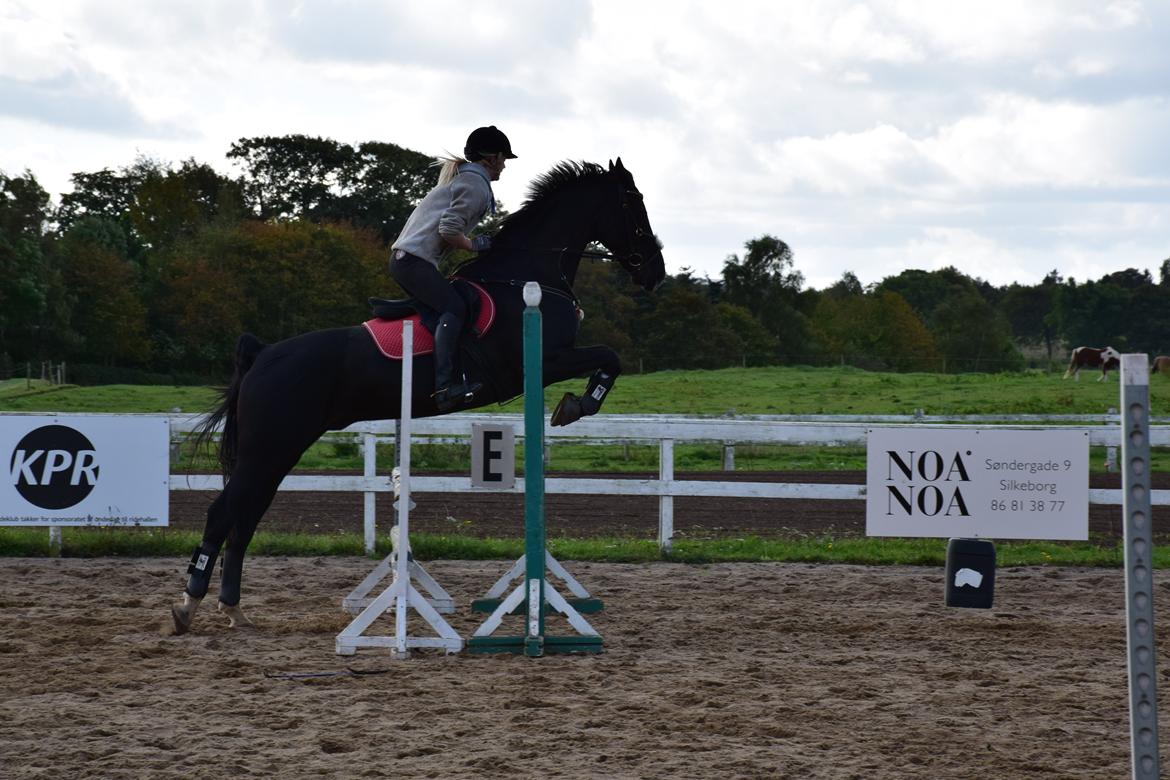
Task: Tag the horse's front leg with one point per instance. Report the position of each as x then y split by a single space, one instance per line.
578 361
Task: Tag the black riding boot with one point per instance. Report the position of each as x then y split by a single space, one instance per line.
449 394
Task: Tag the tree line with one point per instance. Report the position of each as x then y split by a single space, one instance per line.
151 271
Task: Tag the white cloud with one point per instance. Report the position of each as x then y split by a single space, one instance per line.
1007 137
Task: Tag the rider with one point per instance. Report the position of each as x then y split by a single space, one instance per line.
441 222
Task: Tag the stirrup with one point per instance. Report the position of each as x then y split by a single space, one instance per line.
454 396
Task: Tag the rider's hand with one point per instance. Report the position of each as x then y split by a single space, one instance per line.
481 243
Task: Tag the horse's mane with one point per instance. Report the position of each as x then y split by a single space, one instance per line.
560 177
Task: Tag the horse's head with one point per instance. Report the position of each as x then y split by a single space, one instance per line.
625 231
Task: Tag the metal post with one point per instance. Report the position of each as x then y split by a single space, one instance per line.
1139 565
533 472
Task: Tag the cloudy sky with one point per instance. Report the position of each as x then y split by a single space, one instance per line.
1005 138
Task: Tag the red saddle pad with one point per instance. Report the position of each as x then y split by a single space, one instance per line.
387 334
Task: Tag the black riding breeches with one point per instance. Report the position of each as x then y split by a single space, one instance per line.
422 280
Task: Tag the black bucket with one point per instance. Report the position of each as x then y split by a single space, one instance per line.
970 573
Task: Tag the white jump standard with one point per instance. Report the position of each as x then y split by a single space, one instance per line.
535 595
401 595
360 597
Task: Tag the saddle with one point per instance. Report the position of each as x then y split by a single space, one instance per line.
386 326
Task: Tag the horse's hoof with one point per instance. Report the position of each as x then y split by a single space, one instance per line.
235 615
183 614
179 622
567 411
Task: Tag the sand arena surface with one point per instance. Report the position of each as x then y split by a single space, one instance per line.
732 670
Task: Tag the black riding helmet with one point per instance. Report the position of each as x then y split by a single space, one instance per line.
487 140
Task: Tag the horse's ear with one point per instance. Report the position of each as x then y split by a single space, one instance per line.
611 164
619 165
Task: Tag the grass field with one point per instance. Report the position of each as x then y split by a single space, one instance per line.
777 390
96 542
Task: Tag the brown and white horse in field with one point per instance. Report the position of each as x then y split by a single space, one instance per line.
1092 357
1160 364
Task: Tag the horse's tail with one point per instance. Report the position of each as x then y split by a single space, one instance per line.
247 348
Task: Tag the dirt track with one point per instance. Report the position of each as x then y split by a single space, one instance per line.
501 515
724 671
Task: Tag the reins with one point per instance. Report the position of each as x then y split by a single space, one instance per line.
519 283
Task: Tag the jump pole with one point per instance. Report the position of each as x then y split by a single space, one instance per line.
534 594
401 596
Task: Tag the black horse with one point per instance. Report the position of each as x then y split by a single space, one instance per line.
284 396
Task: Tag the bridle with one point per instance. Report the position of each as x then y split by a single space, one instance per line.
632 259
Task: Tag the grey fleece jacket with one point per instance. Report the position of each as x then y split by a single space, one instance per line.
448 210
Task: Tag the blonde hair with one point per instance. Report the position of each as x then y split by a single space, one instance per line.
448 167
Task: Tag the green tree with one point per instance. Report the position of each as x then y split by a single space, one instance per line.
876 331
684 328
684 332
301 277
751 342
293 176
24 276
374 185
1093 314
1029 311
388 181
609 308
925 291
767 267
173 205
766 283
110 195
102 285
204 303
973 336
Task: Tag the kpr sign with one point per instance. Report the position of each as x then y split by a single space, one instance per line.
964 482
55 467
83 470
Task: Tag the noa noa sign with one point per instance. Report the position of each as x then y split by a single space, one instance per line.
965 482
84 470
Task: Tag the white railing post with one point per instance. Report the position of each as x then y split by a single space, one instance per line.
369 515
728 457
666 500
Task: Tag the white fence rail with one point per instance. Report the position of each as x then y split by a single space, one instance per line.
824 430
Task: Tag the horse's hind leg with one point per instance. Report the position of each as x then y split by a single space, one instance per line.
233 571
233 517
